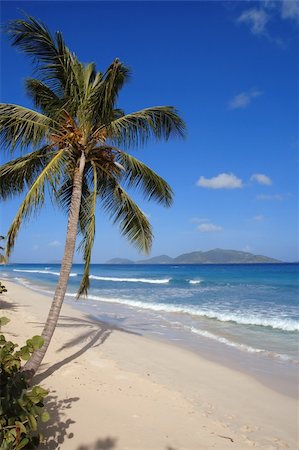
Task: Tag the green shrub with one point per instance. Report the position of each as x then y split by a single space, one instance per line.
21 407
2 288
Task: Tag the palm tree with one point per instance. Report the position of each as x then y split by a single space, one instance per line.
2 257
74 136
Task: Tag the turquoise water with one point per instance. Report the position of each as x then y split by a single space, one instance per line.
252 309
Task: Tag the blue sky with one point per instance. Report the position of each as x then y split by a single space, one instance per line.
231 69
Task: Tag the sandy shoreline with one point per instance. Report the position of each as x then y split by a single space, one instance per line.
112 389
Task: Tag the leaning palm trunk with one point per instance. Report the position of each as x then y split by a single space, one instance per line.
33 364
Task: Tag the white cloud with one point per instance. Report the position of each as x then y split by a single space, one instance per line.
55 244
256 19
290 9
243 99
261 178
221 181
247 248
209 228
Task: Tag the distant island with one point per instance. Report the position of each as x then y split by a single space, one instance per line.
216 256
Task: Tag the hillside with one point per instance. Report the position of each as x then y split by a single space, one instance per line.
216 256
120 261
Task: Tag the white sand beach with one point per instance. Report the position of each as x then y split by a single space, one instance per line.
112 389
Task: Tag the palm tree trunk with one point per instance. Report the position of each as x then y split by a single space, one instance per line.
33 364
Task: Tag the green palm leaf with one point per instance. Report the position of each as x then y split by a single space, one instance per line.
137 174
17 175
43 97
123 210
104 93
54 60
36 196
23 126
137 128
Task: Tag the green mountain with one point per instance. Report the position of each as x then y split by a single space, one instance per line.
216 256
120 261
163 259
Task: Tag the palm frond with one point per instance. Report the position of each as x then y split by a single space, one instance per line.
87 224
123 210
137 128
54 60
139 175
105 92
43 97
23 126
17 175
36 195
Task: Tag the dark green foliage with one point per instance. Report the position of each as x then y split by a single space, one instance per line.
21 407
2 288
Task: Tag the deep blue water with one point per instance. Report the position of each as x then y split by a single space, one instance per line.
251 308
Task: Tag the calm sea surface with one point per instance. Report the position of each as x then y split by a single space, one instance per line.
249 313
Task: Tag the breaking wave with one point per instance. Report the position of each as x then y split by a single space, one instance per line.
281 324
49 272
132 280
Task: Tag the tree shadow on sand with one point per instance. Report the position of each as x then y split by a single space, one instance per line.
100 444
96 334
105 444
55 431
7 305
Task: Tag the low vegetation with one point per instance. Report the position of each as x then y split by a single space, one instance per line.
21 406
2 288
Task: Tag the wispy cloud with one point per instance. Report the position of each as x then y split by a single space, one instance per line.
259 218
278 197
209 228
35 247
55 244
255 19
221 181
261 178
243 99
290 10
258 19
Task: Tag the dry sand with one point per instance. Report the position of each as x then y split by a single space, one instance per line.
111 389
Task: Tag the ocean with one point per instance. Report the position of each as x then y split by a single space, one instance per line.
245 314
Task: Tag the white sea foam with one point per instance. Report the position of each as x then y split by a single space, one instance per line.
204 333
194 281
242 347
72 274
252 319
223 340
281 324
132 280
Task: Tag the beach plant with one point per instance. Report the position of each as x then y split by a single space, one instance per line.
21 407
2 288
78 141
